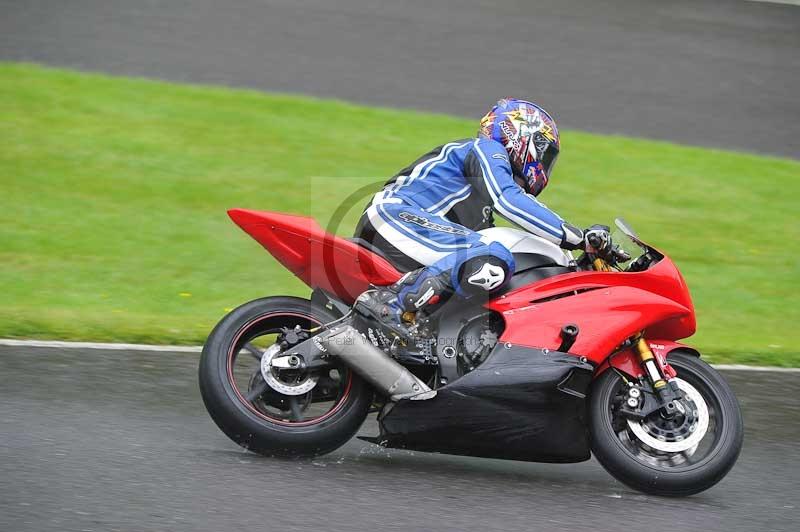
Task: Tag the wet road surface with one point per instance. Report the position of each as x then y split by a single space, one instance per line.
111 440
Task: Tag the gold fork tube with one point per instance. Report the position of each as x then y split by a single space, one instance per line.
649 364
600 265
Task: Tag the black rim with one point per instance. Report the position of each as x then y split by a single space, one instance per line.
328 395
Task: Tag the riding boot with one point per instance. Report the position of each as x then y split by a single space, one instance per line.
395 306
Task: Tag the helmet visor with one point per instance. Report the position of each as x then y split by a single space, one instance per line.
548 158
538 171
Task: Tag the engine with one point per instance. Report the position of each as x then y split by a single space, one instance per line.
476 340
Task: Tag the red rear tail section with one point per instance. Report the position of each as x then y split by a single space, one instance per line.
319 259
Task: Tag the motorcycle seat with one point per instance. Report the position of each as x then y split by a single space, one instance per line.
368 246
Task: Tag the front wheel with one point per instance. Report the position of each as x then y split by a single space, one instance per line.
673 457
284 413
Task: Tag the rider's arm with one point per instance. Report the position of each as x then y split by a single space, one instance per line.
511 201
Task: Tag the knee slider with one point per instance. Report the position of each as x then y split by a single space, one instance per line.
483 270
482 275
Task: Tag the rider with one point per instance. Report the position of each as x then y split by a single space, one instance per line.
426 218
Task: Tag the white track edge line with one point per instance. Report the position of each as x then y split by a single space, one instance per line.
104 346
785 2
743 367
197 349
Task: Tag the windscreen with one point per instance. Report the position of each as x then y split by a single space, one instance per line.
626 238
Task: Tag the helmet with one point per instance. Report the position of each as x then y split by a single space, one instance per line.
530 136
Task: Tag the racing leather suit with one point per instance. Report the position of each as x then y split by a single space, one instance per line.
428 216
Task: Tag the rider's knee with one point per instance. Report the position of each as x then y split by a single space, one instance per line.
485 272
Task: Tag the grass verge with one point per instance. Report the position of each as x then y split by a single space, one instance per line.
113 194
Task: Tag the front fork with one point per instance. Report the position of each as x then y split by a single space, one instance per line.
666 389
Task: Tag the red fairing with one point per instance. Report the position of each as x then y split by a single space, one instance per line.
608 308
628 362
319 259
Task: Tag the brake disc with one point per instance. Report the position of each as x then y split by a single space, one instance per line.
679 439
292 382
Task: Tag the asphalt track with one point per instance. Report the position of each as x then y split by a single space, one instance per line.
723 73
114 440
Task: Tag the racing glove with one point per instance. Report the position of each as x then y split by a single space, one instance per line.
597 239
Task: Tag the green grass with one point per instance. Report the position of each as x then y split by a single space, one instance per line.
113 194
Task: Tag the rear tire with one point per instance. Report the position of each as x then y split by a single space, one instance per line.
253 428
661 478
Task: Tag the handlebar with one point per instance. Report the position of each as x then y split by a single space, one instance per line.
605 254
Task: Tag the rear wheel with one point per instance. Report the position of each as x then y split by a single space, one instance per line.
286 412
674 457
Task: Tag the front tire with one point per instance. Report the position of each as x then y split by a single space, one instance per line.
271 423
638 462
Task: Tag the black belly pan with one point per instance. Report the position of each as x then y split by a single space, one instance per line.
520 404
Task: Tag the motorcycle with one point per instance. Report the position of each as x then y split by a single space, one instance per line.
573 357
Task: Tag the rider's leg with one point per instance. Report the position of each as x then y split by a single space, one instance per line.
455 259
480 269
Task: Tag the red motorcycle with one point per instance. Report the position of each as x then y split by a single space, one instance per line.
573 357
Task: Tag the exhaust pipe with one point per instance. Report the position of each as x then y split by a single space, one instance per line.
375 366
